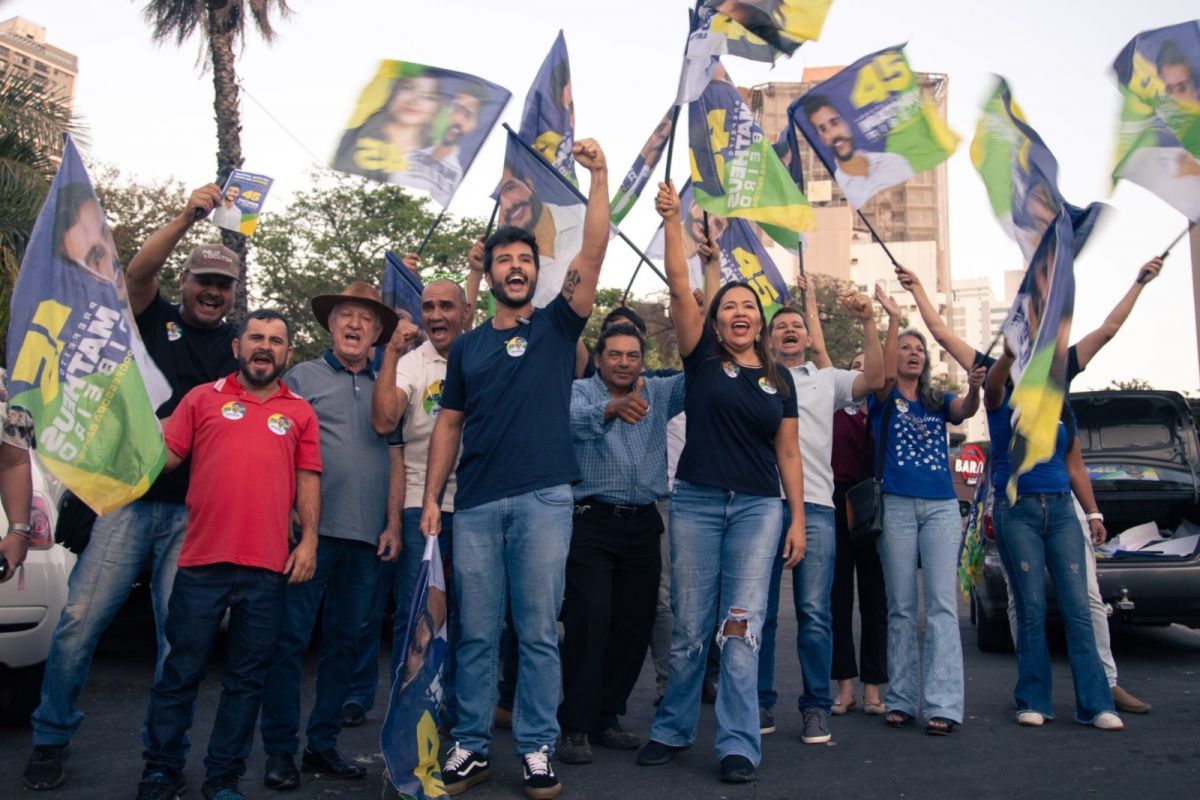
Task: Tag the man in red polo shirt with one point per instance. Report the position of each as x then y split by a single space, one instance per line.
254 453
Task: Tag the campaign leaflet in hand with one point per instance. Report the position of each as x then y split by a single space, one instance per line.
242 200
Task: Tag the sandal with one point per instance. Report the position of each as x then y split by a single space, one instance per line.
839 708
875 709
897 718
940 726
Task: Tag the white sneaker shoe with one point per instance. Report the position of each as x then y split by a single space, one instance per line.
1108 721
1031 719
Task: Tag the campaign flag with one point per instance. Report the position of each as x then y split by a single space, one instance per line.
409 737
760 30
872 127
735 170
419 126
743 258
643 167
1158 135
401 288
242 199
1037 332
77 362
548 120
971 551
535 196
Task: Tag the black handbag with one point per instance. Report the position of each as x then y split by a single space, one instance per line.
864 500
74 528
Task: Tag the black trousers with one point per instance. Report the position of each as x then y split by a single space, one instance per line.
608 612
872 603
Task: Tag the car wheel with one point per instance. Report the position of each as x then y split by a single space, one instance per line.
992 635
20 693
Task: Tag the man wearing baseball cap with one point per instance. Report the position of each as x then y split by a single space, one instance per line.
192 344
358 528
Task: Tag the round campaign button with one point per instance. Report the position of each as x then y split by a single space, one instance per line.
766 386
515 346
731 369
233 410
278 424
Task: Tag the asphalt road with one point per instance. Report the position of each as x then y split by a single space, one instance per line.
1157 756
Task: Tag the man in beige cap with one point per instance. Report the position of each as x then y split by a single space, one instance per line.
192 344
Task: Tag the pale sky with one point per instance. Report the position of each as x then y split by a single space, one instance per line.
150 112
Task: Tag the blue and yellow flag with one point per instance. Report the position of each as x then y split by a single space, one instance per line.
1158 135
735 170
548 121
409 737
401 288
872 127
643 167
1037 332
77 362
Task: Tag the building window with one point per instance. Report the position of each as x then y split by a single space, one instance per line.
40 67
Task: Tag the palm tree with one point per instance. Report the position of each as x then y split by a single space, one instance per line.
222 23
33 118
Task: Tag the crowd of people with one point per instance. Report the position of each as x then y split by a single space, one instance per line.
549 477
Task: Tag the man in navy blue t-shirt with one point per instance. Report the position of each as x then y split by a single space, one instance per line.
507 398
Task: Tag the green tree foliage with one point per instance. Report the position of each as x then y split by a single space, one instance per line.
337 232
1131 384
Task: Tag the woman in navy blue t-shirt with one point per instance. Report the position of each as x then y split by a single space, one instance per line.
726 519
920 524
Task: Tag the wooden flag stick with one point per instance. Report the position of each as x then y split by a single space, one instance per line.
882 244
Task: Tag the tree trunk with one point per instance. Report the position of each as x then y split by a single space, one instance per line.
222 29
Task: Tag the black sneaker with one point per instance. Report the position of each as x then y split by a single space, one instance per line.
574 749
45 767
222 787
160 786
353 715
737 769
540 782
463 769
656 753
766 721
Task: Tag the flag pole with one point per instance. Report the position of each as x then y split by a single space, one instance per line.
671 143
803 292
491 222
429 233
882 244
629 288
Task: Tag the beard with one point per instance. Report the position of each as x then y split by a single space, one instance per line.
500 292
249 378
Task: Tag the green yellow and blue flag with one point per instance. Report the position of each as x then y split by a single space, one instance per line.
77 362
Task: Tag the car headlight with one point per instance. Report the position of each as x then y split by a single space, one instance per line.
41 533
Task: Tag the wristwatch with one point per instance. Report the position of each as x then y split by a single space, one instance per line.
21 529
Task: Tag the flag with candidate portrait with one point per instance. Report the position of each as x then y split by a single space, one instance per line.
743 258
872 126
77 362
638 176
759 30
1158 135
419 126
735 171
1037 332
533 195
971 551
548 120
401 288
409 736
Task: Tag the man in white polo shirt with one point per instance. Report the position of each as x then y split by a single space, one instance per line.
819 392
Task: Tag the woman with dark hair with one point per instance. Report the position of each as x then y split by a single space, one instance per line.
726 518
1036 532
920 525
381 145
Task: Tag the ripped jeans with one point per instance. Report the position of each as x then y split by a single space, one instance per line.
1041 532
723 545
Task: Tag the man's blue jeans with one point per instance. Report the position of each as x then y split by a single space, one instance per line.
914 528
1037 533
511 549
722 548
812 584
255 600
120 546
345 576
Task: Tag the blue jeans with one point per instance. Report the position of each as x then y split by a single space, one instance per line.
255 600
722 548
1037 533
913 528
121 544
365 678
812 583
345 577
511 550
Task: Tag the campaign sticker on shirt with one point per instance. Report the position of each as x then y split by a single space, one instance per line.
731 369
432 401
516 346
901 405
174 332
851 410
766 386
278 424
233 410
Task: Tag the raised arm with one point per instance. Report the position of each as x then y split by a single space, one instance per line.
812 322
388 403
964 407
686 316
443 450
579 287
871 377
994 388
474 278
141 275
958 349
710 256
1087 347
890 342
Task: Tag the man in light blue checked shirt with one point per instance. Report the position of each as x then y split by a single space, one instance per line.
619 429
